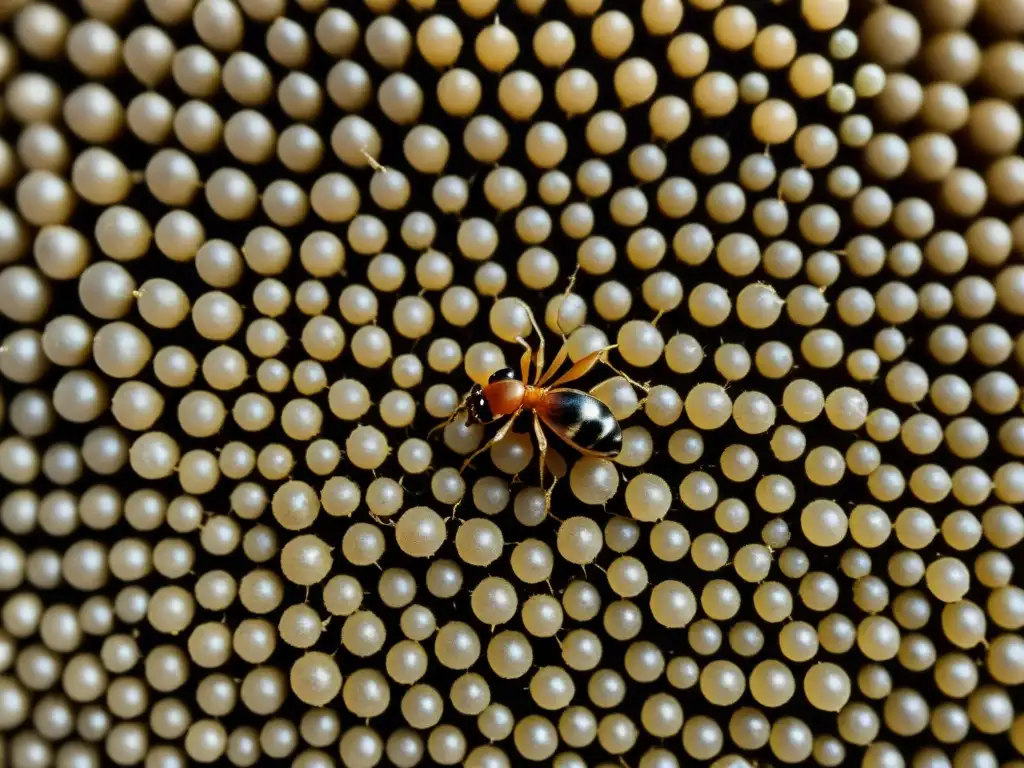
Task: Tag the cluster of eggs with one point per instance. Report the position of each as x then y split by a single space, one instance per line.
228 530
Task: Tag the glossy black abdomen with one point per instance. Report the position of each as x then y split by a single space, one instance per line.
583 421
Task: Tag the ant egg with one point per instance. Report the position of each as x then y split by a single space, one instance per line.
496 47
490 495
479 542
648 498
708 406
594 481
532 561
579 540
420 532
959 144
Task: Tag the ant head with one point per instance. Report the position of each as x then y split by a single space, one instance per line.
479 412
502 374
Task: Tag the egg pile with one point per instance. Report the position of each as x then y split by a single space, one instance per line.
253 255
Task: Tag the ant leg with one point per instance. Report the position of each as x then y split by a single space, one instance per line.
547 500
497 436
581 367
455 414
542 445
540 341
558 362
572 280
565 295
563 351
525 361
646 388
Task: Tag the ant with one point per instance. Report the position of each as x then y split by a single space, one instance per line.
578 418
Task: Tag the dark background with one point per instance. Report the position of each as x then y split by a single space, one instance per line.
733 129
